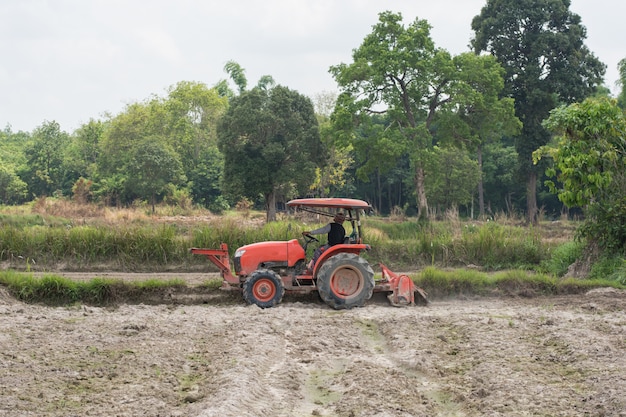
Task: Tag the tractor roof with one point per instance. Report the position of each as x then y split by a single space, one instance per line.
342 203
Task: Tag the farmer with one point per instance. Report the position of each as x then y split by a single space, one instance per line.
336 235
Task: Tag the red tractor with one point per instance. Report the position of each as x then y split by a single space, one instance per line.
265 270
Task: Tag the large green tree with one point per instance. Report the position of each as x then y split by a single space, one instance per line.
394 71
271 145
540 44
429 99
589 158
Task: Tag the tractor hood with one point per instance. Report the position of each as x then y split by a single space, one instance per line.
251 257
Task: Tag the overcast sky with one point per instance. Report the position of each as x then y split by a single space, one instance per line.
74 60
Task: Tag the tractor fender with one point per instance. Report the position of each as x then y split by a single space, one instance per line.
340 248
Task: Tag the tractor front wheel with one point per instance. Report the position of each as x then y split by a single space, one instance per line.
345 280
263 288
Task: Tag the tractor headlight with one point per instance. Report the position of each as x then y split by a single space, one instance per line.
239 253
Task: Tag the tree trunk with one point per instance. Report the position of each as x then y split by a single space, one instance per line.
420 192
270 201
379 190
531 198
481 197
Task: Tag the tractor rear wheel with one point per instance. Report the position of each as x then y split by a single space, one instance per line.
345 280
263 288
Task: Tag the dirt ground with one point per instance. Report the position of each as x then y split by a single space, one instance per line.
544 356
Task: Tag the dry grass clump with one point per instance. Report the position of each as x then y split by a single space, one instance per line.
67 208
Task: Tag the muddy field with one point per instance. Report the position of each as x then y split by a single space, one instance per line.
557 356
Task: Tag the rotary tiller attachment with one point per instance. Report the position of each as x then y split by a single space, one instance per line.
402 288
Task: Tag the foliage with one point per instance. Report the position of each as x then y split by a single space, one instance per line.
562 257
621 98
44 170
271 145
81 191
12 189
481 117
612 268
500 167
152 167
589 165
83 154
454 177
540 45
162 142
205 179
192 111
430 102
333 177
391 72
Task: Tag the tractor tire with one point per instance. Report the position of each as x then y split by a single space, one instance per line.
345 281
263 288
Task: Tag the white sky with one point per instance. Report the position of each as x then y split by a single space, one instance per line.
74 60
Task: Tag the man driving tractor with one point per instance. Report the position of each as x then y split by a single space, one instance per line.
336 235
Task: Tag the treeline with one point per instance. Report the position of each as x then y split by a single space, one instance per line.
412 129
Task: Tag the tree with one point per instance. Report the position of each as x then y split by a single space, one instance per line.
125 131
429 100
271 145
45 154
237 74
394 73
477 115
192 111
12 189
500 169
453 179
540 44
86 144
590 167
152 166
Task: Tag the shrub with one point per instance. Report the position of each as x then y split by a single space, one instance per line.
561 258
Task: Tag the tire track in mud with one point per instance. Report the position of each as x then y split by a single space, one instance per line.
312 361
256 376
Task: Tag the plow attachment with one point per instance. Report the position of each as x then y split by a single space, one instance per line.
402 288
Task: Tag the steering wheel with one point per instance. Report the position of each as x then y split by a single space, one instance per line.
308 239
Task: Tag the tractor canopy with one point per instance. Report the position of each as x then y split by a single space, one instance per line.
329 206
337 203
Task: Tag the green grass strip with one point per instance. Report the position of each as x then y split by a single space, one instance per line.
56 290
440 283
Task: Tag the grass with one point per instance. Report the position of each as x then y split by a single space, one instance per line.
52 289
445 283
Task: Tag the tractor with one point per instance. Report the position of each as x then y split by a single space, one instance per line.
264 271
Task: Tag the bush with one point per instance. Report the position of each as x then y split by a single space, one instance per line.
612 268
562 257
